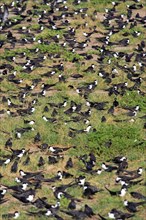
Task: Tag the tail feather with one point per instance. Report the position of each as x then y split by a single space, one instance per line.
102 218
141 203
3 201
111 192
31 213
66 212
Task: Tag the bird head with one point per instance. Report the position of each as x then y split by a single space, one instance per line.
125 202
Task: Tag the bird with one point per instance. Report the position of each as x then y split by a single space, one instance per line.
14 167
52 120
2 193
69 163
40 213
134 172
53 159
5 13
80 180
27 175
108 168
115 103
88 210
77 214
120 193
131 175
26 161
25 197
13 215
90 69
66 175
76 76
37 138
111 110
40 203
103 119
11 104
30 122
119 159
90 190
127 182
117 214
18 188
41 161
5 161
88 164
9 143
59 67
18 153
87 130
72 204
132 206
20 131
56 150
59 193
137 195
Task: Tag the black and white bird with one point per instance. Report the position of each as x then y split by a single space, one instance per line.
25 197
108 168
57 150
137 195
120 193
132 206
118 214
2 193
14 215
90 190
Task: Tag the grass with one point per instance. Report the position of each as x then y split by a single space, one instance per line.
127 137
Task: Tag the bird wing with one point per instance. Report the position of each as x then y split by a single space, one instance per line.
6 13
